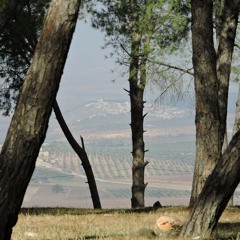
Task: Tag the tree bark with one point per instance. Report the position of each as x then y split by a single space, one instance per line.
136 98
217 191
207 120
80 151
224 57
212 73
29 124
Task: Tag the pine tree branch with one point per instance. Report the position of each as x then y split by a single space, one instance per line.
187 71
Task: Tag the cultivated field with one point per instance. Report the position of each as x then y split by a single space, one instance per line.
168 174
113 194
73 224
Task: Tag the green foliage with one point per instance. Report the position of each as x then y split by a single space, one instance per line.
165 23
2 4
160 26
58 188
17 44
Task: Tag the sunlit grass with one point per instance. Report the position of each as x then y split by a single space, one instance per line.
72 224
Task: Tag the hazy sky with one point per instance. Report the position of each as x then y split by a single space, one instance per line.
87 75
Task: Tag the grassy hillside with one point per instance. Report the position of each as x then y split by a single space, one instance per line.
62 224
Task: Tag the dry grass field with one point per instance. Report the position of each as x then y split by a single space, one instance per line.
73 224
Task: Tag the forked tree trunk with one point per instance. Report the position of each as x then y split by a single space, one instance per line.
222 182
80 151
219 187
29 124
211 74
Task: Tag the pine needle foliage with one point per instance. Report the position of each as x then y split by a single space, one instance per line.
17 44
163 31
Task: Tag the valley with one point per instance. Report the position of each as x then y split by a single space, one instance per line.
104 126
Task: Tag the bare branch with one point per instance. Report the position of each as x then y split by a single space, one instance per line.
237 45
125 50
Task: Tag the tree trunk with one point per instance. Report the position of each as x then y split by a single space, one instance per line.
5 16
29 124
224 58
220 185
207 120
212 73
138 148
217 191
80 151
137 104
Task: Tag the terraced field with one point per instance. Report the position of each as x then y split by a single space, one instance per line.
117 164
168 174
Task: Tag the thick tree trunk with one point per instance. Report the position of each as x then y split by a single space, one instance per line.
30 121
217 191
208 144
80 151
212 75
137 104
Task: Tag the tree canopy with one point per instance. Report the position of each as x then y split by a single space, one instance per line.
17 45
162 25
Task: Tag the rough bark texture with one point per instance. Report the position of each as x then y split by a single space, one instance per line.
80 151
224 57
7 12
208 145
30 121
216 193
212 73
137 118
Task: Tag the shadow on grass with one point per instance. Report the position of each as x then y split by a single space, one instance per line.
228 231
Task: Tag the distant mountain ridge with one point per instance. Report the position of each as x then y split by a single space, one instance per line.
104 108
101 115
